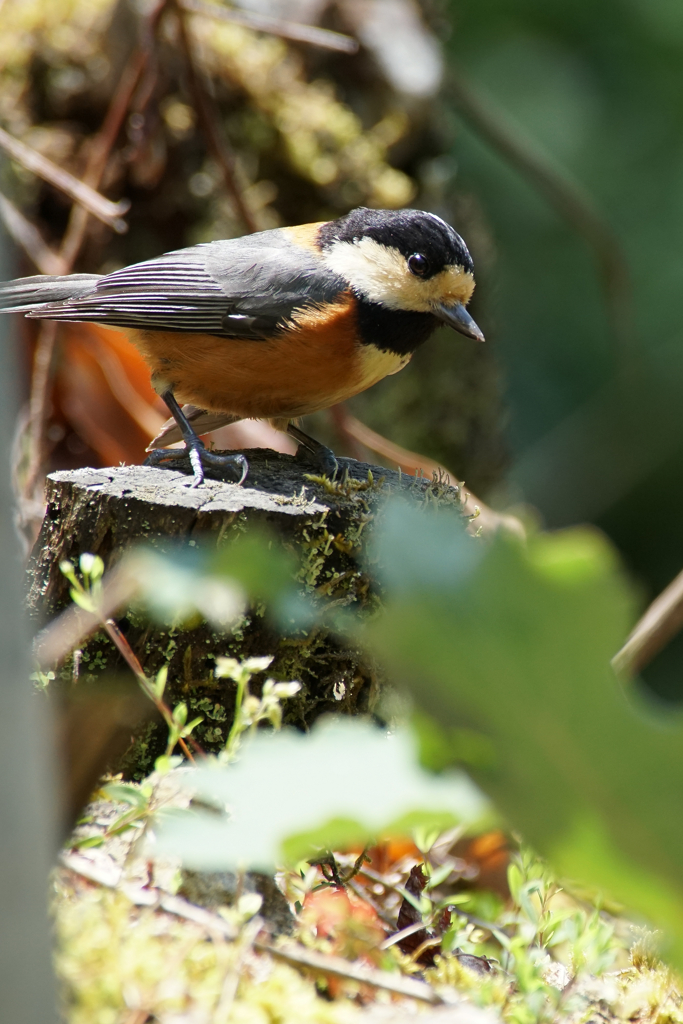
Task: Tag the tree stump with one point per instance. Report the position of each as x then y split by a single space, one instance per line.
107 511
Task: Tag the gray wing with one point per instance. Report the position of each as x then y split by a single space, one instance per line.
241 287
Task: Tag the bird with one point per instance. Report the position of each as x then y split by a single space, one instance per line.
272 325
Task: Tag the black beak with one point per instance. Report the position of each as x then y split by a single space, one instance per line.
457 317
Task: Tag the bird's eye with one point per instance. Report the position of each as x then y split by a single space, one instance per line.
418 264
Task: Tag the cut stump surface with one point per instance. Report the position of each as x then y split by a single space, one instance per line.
108 511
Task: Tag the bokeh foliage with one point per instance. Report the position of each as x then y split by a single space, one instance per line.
594 420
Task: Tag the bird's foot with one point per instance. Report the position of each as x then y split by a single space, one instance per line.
200 457
320 458
315 454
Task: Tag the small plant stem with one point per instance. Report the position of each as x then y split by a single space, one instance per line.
497 933
124 648
324 963
236 728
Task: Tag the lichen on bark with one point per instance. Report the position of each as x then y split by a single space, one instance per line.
324 524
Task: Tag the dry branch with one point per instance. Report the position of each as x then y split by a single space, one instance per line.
209 124
567 197
484 519
41 381
319 963
297 32
335 966
660 624
29 238
95 203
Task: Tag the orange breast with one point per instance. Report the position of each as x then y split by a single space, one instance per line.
310 367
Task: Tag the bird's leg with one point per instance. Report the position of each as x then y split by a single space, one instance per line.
194 448
320 454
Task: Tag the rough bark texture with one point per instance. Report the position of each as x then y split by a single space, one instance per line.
106 511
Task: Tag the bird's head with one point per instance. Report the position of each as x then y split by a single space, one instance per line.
404 260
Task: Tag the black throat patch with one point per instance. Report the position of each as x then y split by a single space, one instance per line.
393 330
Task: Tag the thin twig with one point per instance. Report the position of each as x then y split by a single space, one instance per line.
131 659
293 30
29 238
319 963
660 624
81 192
323 963
104 141
101 146
208 121
566 196
404 933
232 979
148 897
39 404
497 933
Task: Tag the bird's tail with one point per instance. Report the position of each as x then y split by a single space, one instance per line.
28 293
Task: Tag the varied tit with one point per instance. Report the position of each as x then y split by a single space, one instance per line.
273 325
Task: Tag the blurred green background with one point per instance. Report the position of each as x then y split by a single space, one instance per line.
594 420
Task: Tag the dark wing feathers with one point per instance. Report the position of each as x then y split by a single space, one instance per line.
241 287
25 293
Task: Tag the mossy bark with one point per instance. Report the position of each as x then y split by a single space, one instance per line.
108 511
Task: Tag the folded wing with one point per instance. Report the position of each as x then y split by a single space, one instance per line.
243 287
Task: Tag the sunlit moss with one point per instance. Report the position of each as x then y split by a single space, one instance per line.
324 139
113 958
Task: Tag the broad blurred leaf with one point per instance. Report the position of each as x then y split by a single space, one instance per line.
178 586
216 584
291 794
516 642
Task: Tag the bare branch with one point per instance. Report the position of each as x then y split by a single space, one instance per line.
102 208
102 145
29 238
566 196
39 406
660 624
111 126
298 33
148 897
324 963
319 963
208 121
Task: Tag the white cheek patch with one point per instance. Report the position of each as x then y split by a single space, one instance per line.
370 267
381 275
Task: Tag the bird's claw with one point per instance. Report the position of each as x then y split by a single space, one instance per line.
320 458
200 458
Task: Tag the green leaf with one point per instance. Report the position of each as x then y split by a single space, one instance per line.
88 842
515 642
178 587
180 714
438 876
160 682
126 794
192 725
291 794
